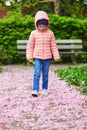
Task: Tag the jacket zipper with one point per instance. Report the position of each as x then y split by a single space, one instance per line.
43 44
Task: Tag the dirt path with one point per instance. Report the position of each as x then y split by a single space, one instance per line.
63 109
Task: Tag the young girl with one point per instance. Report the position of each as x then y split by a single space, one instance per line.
40 48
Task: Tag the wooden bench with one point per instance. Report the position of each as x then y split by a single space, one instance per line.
71 47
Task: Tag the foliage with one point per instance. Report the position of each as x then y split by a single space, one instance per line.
0 69
48 7
12 28
2 2
75 76
73 8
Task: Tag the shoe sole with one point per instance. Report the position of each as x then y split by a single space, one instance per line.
34 95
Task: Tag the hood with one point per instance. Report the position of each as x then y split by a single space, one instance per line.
41 15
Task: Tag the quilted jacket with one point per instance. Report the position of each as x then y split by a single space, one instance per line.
42 45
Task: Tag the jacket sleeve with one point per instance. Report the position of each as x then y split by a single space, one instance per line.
30 46
54 48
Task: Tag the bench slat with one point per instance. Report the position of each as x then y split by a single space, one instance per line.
60 47
69 47
21 47
69 52
23 52
22 41
71 41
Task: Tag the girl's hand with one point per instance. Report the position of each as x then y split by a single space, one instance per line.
31 61
57 59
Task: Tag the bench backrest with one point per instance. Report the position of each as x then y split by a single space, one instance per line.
69 44
65 44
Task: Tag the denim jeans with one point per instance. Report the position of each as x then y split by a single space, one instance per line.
41 67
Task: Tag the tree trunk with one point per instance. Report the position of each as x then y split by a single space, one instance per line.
56 6
16 1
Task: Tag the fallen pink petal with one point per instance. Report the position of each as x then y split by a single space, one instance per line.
64 108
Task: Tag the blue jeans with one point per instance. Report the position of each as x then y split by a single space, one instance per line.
41 66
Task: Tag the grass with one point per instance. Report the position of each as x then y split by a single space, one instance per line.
0 68
75 76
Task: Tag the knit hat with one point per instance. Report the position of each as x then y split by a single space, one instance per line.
42 22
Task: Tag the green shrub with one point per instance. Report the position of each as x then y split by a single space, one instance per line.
75 76
0 68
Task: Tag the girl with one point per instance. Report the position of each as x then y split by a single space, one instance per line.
40 48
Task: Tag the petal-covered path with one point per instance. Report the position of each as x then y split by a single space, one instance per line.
63 109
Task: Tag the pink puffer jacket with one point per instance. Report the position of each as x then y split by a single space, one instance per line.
42 45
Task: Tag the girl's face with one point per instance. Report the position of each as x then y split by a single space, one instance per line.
42 27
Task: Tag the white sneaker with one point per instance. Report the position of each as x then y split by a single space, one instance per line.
34 93
44 92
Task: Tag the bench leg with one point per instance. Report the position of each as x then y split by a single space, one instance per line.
73 59
28 63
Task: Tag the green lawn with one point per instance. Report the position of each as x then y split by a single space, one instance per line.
75 75
0 68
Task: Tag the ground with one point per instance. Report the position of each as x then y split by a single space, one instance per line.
64 108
